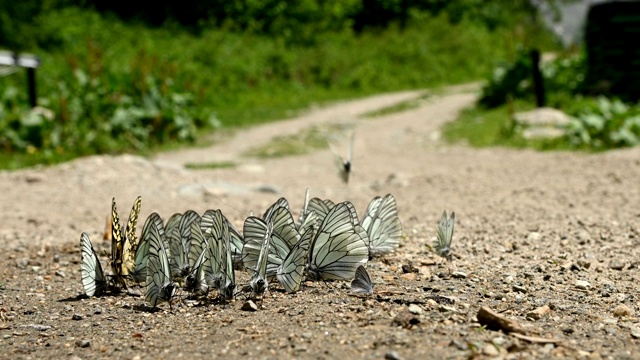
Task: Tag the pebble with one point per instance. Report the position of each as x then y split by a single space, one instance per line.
582 284
519 288
392 355
415 309
459 275
622 310
534 236
490 350
538 313
76 317
616 264
83 343
249 306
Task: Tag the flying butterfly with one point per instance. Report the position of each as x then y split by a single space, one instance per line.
382 224
361 283
160 286
338 247
123 248
344 165
444 235
93 279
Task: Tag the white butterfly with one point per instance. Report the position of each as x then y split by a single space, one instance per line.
195 282
160 286
382 224
291 271
361 283
338 247
259 283
344 165
444 235
139 274
227 289
93 279
236 240
308 218
179 245
216 231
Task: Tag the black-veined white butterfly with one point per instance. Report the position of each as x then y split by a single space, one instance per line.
259 283
227 288
345 164
93 279
160 286
215 233
361 283
308 218
338 247
236 240
195 281
444 235
179 244
291 271
123 247
139 274
283 235
382 224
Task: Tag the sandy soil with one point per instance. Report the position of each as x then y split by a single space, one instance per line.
552 232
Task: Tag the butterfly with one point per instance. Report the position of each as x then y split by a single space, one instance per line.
123 248
344 165
382 224
218 262
259 283
179 245
338 247
444 235
236 240
308 218
227 289
283 237
195 281
160 286
291 271
362 284
139 274
93 279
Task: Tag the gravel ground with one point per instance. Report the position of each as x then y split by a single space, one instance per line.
547 241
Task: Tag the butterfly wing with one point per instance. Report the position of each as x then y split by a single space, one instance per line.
291 271
117 243
320 208
93 279
338 248
194 281
214 229
361 283
444 235
282 202
160 287
382 224
139 274
130 241
228 283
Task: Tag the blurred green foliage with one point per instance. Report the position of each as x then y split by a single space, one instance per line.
119 77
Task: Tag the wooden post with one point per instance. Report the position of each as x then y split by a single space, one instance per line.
537 78
31 86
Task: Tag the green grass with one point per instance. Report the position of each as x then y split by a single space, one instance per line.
480 127
314 138
211 165
399 107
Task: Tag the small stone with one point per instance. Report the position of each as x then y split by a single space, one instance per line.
459 275
622 310
249 306
409 268
408 276
415 309
392 355
582 284
490 350
83 343
538 313
97 311
616 264
534 236
41 327
405 319
76 317
444 308
519 288
635 333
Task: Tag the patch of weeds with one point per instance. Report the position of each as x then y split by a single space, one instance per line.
314 138
211 165
399 107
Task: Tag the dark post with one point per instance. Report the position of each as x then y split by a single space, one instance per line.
537 78
31 85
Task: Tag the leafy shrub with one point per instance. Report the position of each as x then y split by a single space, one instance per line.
605 123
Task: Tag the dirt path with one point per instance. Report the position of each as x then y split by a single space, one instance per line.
532 230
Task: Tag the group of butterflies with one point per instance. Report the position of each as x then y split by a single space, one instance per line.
199 253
